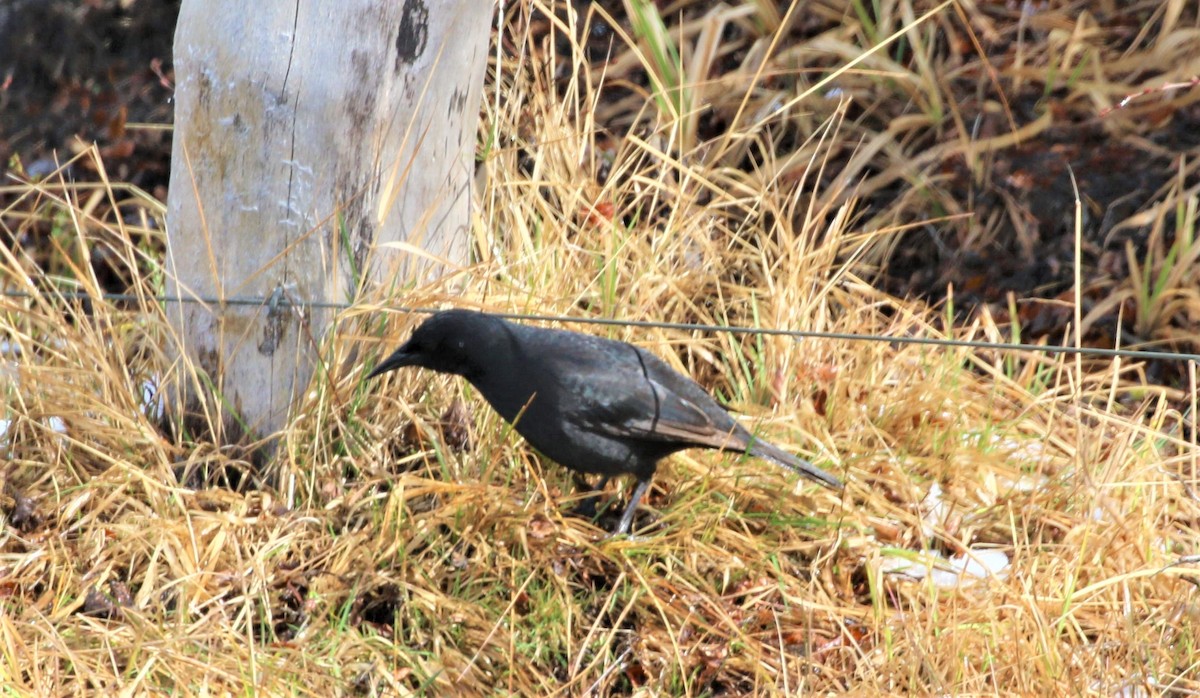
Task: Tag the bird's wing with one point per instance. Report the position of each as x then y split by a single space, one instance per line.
649 400
679 419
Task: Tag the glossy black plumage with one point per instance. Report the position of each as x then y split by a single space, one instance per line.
592 404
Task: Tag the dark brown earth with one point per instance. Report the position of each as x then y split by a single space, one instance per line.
81 72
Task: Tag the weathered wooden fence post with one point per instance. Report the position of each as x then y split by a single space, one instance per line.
304 134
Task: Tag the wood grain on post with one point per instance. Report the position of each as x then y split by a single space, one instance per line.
305 134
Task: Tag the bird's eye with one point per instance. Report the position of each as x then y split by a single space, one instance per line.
461 345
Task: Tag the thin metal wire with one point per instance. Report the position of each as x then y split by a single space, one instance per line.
646 324
848 336
231 300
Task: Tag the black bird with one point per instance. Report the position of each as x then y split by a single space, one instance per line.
592 404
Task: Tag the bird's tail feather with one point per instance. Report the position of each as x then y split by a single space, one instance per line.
766 451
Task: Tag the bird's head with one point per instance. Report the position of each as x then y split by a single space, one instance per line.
452 341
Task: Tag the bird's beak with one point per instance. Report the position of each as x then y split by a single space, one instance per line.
399 358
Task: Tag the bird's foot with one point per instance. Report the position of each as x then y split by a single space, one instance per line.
587 507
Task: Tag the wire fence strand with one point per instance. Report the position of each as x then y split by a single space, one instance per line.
286 300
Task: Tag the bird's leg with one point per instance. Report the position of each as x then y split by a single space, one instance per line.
627 517
587 507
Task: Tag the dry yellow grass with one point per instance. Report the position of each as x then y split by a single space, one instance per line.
358 562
